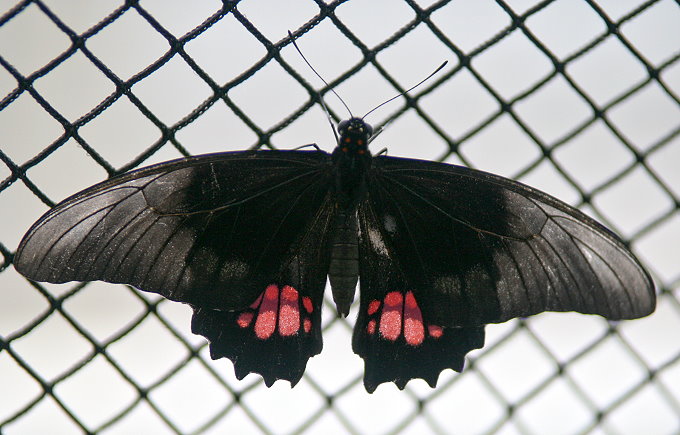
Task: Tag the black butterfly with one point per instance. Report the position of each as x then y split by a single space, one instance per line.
247 239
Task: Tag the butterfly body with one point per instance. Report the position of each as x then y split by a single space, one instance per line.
248 239
351 161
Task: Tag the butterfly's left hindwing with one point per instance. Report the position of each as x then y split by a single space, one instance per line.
281 329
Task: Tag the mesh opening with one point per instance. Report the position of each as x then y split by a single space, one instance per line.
579 99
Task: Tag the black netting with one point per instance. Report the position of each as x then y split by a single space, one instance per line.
576 97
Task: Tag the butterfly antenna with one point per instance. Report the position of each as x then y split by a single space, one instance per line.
329 118
407 90
323 104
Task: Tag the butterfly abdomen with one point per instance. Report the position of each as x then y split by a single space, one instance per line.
343 271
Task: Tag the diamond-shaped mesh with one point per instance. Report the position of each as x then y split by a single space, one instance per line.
575 97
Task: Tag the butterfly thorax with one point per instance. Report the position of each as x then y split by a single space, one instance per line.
352 160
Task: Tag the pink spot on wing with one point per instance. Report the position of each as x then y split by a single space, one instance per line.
307 324
435 331
373 307
244 319
266 316
289 312
390 320
257 301
370 328
394 298
307 304
289 293
410 301
271 292
414 330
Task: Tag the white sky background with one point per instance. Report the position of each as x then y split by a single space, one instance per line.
512 369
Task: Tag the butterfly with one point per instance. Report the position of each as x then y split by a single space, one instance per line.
248 238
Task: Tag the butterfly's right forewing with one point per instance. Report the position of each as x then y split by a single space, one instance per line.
480 248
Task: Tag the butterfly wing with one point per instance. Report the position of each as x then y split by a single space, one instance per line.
460 248
239 236
280 330
396 341
488 249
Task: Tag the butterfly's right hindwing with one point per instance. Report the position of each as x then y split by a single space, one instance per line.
396 338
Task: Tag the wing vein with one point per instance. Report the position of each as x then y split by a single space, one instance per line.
75 225
113 237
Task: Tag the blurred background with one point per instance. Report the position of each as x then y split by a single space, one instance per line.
577 98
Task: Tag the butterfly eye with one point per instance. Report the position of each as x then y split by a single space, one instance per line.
342 127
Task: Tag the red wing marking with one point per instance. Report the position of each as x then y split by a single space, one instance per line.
257 302
308 304
373 307
278 308
266 315
435 331
414 331
370 328
400 316
391 317
244 319
289 312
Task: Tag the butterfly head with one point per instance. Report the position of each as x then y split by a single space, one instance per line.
354 136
